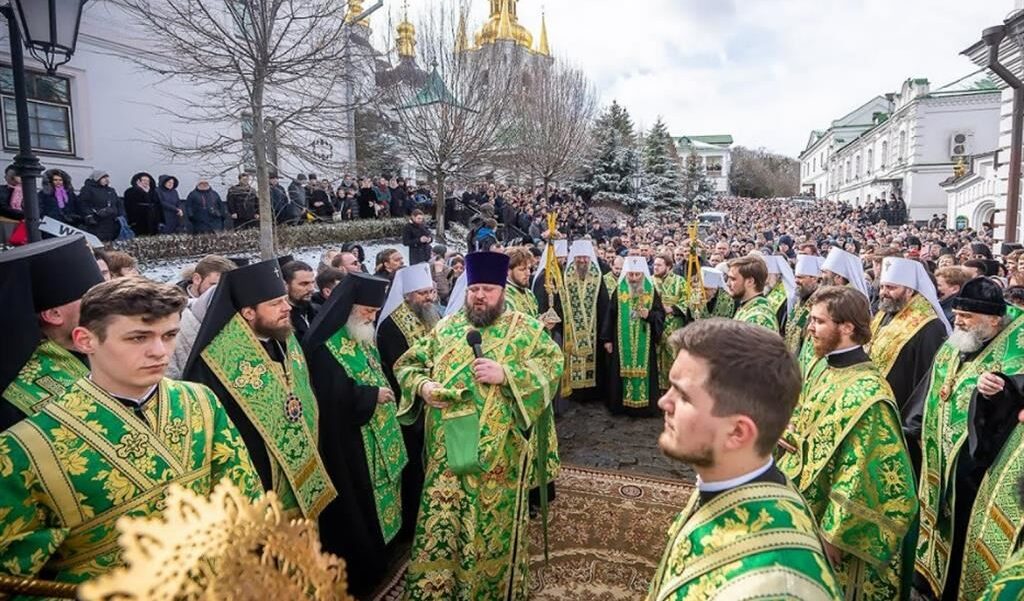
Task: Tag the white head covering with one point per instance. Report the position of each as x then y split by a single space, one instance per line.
582 248
713 278
848 266
458 296
809 265
780 266
561 252
910 273
407 279
635 264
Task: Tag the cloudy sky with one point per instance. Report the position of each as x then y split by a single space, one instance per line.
765 71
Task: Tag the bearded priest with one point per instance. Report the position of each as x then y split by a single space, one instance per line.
360 440
973 389
636 319
246 352
485 375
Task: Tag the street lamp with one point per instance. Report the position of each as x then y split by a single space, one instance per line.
49 29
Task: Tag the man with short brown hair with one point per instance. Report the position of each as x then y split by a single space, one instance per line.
726 428
112 444
844 451
206 275
948 281
745 280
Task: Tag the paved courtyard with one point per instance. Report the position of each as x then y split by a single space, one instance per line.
589 436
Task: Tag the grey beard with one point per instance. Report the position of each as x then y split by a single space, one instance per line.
581 272
360 330
481 318
966 341
636 289
427 313
890 306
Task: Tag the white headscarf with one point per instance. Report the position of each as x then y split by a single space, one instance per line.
910 273
809 265
582 248
635 264
848 266
713 278
458 296
407 279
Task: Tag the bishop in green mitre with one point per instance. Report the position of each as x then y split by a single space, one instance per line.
471 537
112 443
973 390
635 322
746 280
845 453
745 533
43 286
673 290
808 270
247 353
360 439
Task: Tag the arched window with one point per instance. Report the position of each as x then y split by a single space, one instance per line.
885 154
870 164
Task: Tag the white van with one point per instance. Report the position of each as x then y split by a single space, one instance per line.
713 218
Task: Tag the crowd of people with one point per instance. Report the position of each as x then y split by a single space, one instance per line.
155 205
846 389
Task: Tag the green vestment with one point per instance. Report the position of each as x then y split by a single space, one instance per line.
756 541
280 405
68 472
579 325
777 298
518 299
997 519
758 311
48 374
634 343
725 306
382 437
1008 584
796 327
673 291
852 466
611 283
944 433
471 538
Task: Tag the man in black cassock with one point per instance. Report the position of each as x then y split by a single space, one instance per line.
361 440
409 314
626 394
247 353
43 284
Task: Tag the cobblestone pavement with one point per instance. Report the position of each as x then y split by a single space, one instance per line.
590 436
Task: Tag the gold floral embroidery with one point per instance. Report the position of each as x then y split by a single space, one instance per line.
252 375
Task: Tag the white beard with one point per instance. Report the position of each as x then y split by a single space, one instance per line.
360 330
966 341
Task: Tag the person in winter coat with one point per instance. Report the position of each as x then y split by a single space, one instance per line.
191 318
203 209
320 201
141 205
298 197
417 237
279 202
57 198
367 200
243 203
399 198
12 200
171 205
99 206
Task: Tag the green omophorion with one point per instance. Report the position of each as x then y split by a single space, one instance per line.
758 311
1008 584
633 341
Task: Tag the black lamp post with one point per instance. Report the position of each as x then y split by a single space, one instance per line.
49 29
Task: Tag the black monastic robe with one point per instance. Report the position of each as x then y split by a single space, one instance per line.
613 396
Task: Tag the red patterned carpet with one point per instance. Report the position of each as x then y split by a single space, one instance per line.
606 535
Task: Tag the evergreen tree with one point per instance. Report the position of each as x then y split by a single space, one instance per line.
697 189
661 188
609 169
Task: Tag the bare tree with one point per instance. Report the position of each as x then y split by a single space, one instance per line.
554 112
269 81
458 122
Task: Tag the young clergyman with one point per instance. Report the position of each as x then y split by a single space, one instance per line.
113 442
726 428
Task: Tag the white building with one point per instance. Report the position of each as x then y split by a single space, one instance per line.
715 154
906 149
980 195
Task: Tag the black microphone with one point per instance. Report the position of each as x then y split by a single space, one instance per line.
474 340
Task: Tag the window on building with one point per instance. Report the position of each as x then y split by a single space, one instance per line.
713 165
903 145
814 165
856 169
871 163
885 154
49 112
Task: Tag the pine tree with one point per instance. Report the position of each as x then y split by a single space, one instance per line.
609 169
661 186
697 189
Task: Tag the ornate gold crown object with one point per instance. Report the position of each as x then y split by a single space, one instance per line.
224 547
